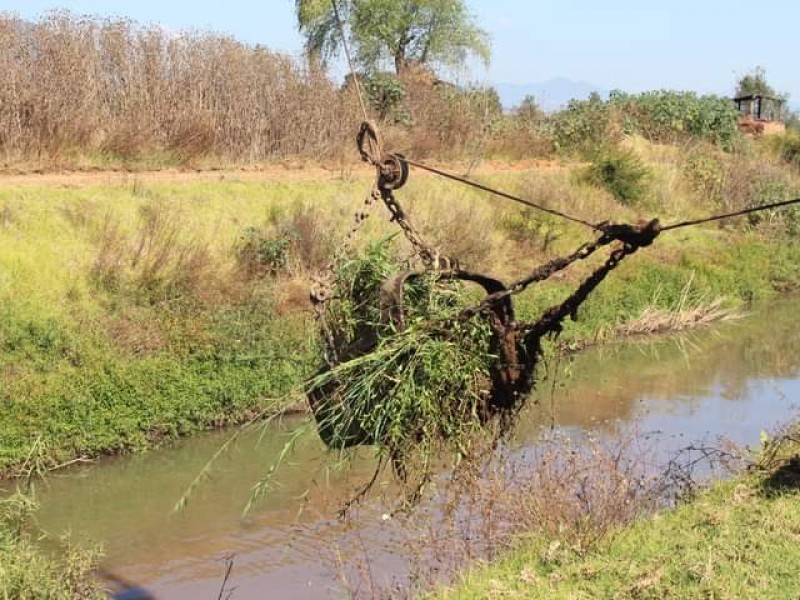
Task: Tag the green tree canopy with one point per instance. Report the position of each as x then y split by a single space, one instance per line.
755 82
427 32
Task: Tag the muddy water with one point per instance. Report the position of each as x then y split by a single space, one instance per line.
733 380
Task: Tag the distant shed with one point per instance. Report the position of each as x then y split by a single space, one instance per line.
760 114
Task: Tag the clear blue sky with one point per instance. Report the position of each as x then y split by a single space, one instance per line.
632 45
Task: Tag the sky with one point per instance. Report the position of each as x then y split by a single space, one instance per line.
632 45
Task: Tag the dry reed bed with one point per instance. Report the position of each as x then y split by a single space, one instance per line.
91 91
114 87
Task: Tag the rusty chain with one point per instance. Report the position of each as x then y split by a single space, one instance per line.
392 173
635 236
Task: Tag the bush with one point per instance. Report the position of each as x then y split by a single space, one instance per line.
669 117
447 119
585 127
705 173
622 173
386 93
260 254
160 260
299 241
750 181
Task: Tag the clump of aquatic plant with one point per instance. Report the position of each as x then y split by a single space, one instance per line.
403 374
409 387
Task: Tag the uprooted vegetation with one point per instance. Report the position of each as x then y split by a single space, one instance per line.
394 380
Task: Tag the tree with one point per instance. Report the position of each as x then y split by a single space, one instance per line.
406 32
528 110
755 82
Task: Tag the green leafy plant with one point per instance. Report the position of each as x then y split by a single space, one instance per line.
668 117
585 126
386 93
260 253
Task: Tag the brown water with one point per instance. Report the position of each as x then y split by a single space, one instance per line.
733 380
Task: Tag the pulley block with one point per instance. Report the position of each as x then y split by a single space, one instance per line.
393 171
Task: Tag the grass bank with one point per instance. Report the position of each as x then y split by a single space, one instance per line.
28 573
138 310
738 539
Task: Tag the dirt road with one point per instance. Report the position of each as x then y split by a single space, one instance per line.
277 172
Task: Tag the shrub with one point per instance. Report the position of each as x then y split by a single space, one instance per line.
585 127
705 173
386 93
299 241
531 229
668 117
160 260
622 173
260 254
750 181
447 119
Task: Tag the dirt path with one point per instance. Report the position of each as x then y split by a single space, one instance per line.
119 177
276 172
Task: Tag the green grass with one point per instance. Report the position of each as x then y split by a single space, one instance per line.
736 540
29 573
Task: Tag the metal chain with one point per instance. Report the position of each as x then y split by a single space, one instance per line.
322 284
370 147
551 321
541 273
633 236
429 257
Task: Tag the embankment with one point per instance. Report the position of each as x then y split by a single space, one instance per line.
738 539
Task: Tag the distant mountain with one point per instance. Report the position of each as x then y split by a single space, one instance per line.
550 95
